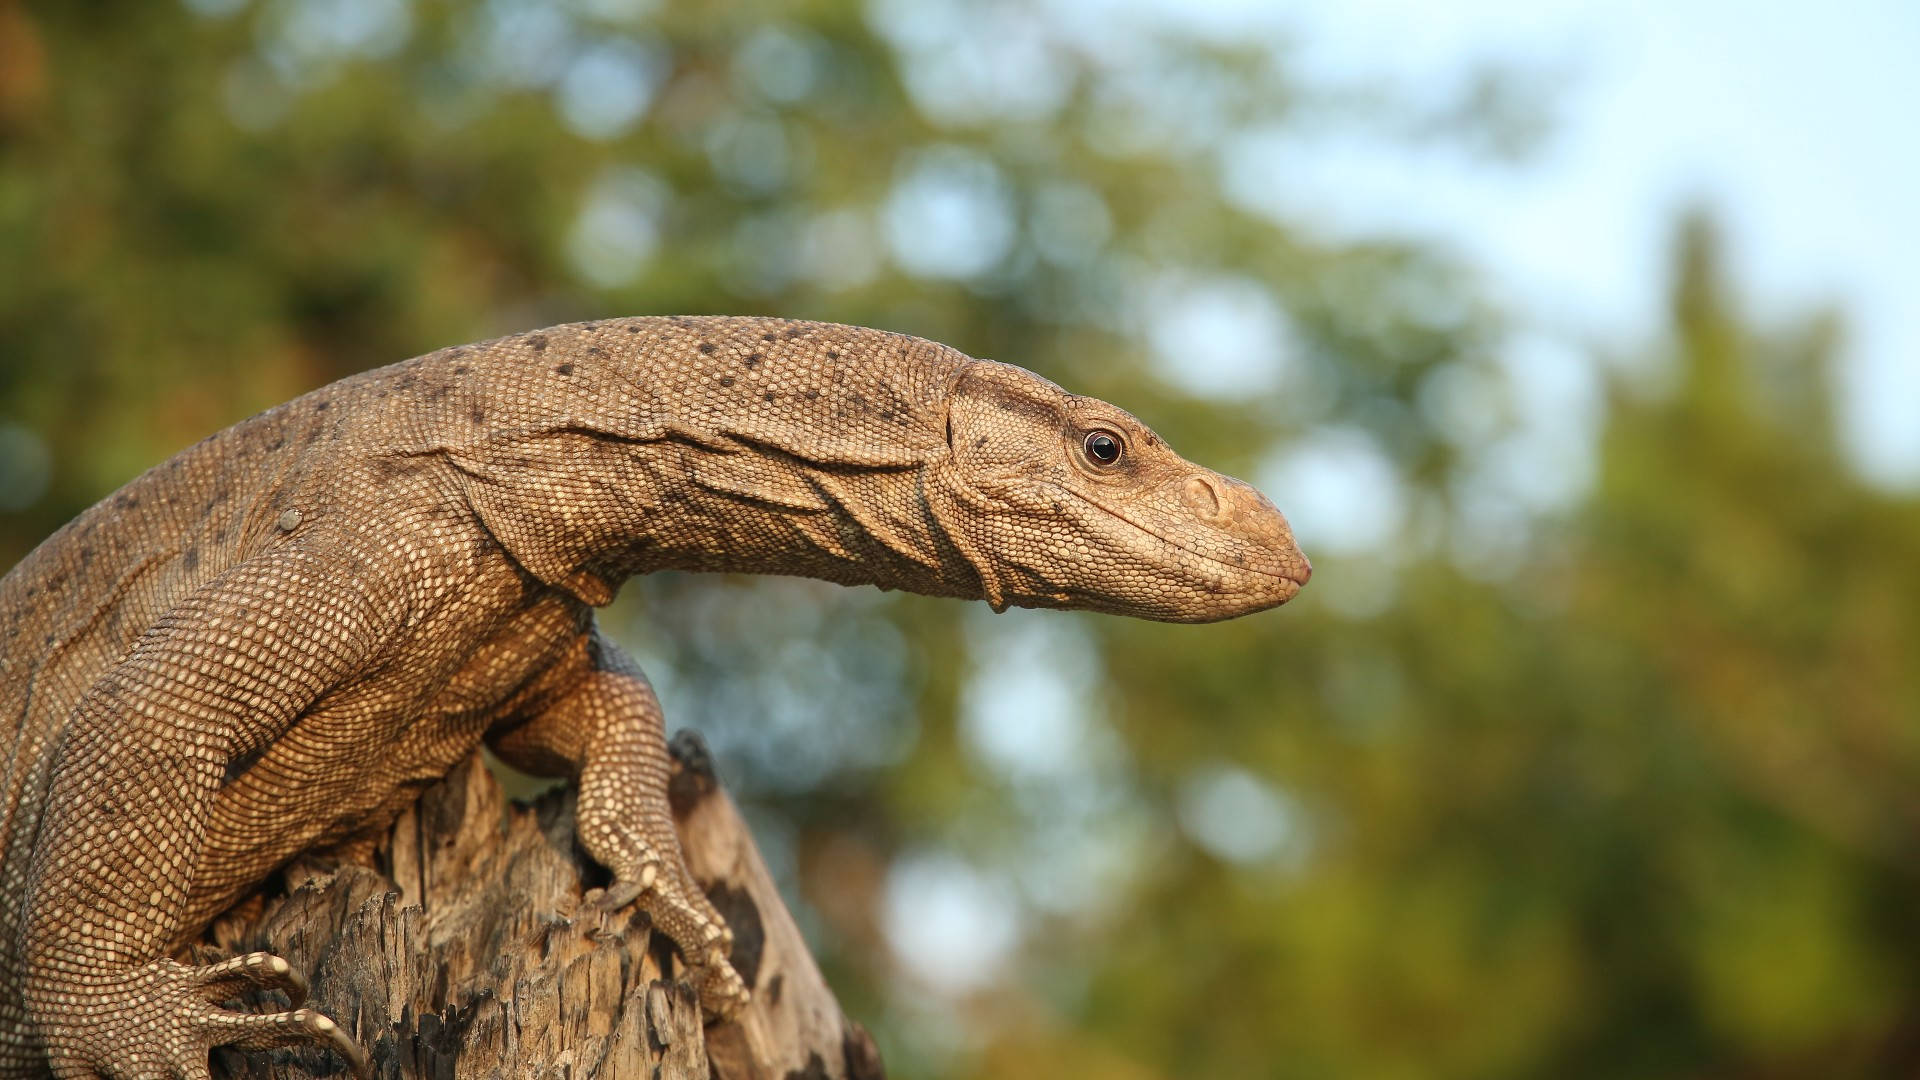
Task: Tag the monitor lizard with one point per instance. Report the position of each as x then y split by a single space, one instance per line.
269 644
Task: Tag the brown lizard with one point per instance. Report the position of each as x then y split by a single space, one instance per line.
267 645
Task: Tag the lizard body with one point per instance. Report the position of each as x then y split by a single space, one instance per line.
266 645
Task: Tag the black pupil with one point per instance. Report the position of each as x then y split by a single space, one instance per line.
1104 447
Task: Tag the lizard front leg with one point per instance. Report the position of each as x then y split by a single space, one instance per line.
607 729
144 754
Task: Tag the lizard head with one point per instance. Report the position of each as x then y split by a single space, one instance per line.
1068 502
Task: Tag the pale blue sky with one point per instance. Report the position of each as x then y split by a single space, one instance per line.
1799 122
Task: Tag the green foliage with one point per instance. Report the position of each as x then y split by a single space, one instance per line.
1633 794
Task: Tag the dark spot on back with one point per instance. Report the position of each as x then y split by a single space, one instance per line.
792 334
438 392
460 369
706 348
278 442
323 405
979 442
769 336
479 413
768 396
126 502
633 328
833 354
564 369
752 360
1057 508
726 380
589 326
812 394
595 350
538 341
190 558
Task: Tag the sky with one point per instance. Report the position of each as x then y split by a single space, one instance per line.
1795 122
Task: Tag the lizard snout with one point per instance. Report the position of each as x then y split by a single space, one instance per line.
1249 518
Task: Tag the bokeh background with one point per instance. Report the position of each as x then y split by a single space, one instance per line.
1579 340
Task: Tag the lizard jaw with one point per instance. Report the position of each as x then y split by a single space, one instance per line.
1294 568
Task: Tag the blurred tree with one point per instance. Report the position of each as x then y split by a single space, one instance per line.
1621 787
1646 808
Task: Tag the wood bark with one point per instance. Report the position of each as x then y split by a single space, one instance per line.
470 949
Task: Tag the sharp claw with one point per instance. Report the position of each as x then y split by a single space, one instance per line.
621 893
350 1050
723 995
293 1028
253 971
295 986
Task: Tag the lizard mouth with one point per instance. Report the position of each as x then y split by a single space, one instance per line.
1297 582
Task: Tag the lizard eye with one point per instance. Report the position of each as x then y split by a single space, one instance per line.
1104 447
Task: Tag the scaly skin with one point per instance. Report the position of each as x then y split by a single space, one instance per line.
269 644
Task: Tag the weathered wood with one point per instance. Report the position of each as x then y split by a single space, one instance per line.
473 951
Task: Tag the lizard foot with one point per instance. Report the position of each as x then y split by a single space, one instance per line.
723 995
160 1020
704 942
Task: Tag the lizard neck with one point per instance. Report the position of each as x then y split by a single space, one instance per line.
750 445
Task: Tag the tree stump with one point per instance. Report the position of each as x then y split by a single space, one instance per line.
470 951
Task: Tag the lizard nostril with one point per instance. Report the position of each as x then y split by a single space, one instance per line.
1202 498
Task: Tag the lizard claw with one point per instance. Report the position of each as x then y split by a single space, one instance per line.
625 891
260 1031
254 971
722 992
723 995
298 1027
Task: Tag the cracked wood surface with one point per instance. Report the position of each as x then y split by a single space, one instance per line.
470 951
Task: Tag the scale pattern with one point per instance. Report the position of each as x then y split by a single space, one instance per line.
269 644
